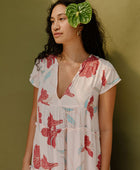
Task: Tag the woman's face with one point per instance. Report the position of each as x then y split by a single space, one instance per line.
62 31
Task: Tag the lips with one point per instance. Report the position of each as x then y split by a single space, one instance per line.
57 34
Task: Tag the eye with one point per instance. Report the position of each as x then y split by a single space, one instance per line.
51 21
62 18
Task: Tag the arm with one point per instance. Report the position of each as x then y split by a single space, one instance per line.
31 132
106 108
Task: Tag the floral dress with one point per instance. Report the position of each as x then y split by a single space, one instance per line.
67 135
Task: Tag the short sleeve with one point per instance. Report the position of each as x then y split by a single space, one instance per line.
36 73
109 77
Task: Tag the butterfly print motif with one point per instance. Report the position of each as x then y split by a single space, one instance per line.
68 93
36 158
43 162
51 132
104 79
46 165
43 97
86 147
90 107
50 60
89 67
99 162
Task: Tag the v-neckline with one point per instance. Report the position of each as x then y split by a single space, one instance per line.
71 83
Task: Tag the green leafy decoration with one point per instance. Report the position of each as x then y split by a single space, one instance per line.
79 13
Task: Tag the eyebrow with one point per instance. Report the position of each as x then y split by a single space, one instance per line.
59 15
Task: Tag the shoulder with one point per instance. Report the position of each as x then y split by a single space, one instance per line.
104 63
46 62
106 68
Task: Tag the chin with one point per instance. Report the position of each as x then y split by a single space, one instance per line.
58 42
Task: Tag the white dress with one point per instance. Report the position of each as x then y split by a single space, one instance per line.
67 135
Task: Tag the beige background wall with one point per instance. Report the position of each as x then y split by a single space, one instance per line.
22 37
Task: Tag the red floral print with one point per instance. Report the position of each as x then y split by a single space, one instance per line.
90 107
50 60
43 97
36 158
86 147
43 162
68 91
40 116
89 67
99 162
47 165
104 79
51 132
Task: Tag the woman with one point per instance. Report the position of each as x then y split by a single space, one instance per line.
74 96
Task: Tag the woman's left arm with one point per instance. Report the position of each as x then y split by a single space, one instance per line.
106 109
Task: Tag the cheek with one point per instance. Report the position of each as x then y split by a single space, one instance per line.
72 33
67 25
69 30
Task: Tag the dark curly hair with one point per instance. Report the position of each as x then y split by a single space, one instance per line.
92 35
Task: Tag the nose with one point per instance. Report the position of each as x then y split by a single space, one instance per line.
56 25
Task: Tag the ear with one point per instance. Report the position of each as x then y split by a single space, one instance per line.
80 27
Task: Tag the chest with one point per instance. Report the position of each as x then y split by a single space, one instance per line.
65 76
68 85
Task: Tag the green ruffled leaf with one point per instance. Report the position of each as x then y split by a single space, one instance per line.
79 13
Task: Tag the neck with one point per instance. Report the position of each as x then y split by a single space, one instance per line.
74 52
